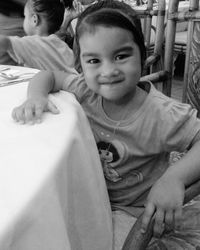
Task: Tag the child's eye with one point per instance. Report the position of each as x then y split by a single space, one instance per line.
93 61
121 56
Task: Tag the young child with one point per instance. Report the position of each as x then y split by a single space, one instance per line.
11 21
41 48
135 126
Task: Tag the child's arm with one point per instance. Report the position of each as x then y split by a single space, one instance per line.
165 199
5 44
37 101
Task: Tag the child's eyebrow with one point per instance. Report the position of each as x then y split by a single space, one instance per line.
126 48
89 54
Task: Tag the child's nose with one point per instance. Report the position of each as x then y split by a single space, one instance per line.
109 69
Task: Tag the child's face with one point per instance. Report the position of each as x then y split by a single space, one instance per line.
111 62
28 20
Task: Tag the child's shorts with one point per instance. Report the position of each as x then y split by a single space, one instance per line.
186 237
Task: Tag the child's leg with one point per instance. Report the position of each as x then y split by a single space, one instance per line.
122 224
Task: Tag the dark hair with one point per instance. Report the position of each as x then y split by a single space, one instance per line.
109 13
52 11
68 3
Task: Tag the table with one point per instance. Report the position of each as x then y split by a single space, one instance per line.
52 190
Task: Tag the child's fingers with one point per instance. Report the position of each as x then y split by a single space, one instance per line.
159 222
80 8
18 114
32 113
29 113
52 108
169 219
148 214
14 115
173 219
38 114
75 3
178 217
77 10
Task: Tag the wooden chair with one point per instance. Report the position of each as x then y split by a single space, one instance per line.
135 239
186 42
191 86
153 29
159 63
167 41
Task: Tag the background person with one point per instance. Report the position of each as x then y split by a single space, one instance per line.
40 48
11 22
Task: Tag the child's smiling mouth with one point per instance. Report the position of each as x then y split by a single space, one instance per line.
111 81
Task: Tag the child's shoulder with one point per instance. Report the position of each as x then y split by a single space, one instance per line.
76 83
166 106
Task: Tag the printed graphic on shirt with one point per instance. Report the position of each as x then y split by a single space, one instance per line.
110 157
113 155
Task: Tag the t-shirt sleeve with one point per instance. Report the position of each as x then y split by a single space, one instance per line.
180 127
49 53
75 83
20 51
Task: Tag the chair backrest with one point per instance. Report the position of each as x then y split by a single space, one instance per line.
190 46
192 43
153 22
191 87
157 68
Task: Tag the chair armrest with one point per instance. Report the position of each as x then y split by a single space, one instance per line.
156 77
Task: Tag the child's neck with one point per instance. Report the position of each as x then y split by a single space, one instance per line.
42 32
42 29
123 110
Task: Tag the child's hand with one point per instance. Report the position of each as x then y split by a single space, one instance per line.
164 203
78 9
31 110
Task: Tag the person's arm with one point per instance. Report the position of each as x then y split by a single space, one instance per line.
45 82
37 97
165 199
5 44
71 14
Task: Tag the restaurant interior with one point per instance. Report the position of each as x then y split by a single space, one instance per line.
171 31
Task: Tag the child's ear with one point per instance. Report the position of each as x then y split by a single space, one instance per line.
35 19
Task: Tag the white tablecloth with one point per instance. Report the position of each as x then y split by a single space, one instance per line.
52 190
